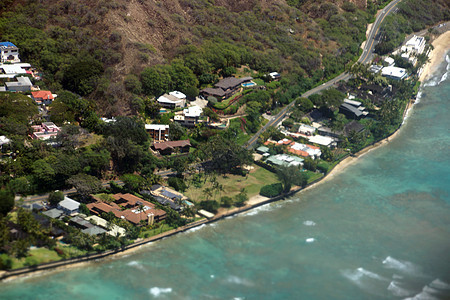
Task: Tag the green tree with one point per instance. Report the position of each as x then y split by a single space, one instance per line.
6 201
241 198
289 176
85 184
55 197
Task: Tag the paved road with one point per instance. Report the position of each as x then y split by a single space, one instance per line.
36 198
365 57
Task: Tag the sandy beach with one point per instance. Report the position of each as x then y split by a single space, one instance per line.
441 46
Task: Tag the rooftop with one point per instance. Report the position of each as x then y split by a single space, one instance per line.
156 127
69 204
4 45
178 94
171 144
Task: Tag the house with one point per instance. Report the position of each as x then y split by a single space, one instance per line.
394 73
43 97
375 69
225 88
305 150
86 226
4 140
168 147
168 196
262 150
190 116
315 115
158 132
23 84
353 126
322 140
413 47
69 206
129 207
274 76
326 131
172 100
284 160
12 70
45 131
9 52
306 130
114 229
390 62
53 213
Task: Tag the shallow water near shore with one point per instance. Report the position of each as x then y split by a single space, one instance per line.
378 230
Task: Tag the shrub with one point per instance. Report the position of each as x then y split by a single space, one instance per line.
177 183
271 190
210 205
226 201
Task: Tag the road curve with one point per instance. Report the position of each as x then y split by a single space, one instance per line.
365 57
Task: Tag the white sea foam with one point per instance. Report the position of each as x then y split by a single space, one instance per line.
257 210
310 240
427 293
439 284
309 223
157 291
418 97
398 291
443 78
400 265
136 264
212 276
238 280
196 228
358 275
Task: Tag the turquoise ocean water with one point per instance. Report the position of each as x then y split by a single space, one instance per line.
378 230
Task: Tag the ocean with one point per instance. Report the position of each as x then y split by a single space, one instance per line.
378 230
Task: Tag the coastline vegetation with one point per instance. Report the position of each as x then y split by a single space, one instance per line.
217 173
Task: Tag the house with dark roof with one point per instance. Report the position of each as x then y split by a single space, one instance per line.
353 126
350 111
225 88
169 147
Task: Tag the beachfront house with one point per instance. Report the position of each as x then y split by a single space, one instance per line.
394 73
9 52
353 109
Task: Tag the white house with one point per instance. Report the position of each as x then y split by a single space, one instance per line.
11 70
322 140
69 206
190 116
172 100
390 61
9 52
394 73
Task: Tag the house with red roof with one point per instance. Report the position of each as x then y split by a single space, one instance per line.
42 97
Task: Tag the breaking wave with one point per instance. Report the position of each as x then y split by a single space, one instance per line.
238 280
309 223
400 265
157 291
310 240
257 210
398 291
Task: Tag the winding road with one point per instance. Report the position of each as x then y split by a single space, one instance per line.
365 58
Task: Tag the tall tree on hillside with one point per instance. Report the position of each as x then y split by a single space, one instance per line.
6 202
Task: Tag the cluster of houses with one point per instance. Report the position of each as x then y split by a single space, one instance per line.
91 225
409 51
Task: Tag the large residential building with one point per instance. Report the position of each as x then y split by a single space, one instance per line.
190 117
68 206
394 73
172 100
8 70
225 88
23 84
158 132
45 131
129 207
9 52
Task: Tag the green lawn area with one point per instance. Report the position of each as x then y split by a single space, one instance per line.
226 102
152 232
232 184
36 256
313 176
258 81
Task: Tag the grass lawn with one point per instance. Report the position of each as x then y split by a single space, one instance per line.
152 232
36 256
313 176
258 81
232 184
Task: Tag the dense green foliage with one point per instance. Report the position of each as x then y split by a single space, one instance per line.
271 190
409 18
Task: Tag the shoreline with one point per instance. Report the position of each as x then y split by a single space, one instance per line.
440 45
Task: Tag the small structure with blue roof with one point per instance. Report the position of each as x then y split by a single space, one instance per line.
9 52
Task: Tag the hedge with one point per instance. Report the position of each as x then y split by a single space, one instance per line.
271 190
